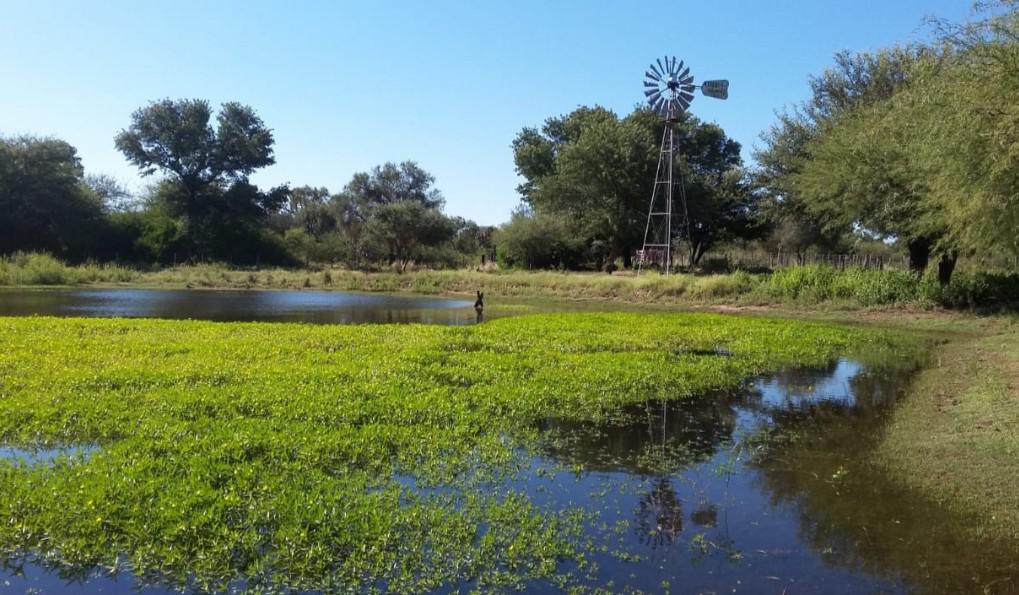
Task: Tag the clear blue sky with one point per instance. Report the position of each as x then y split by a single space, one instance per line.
349 85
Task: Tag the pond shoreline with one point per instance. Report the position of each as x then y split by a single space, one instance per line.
812 286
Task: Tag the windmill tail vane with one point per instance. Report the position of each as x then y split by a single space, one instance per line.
669 89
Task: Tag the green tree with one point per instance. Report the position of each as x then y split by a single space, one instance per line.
964 131
376 212
721 209
177 137
114 196
597 170
308 208
794 227
44 203
593 168
392 183
403 227
221 214
839 158
538 241
472 240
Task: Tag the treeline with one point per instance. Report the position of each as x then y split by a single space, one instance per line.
915 143
913 147
910 150
204 207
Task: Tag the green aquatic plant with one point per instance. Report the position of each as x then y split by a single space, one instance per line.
339 458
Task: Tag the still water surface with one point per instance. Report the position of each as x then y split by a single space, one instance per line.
764 489
319 307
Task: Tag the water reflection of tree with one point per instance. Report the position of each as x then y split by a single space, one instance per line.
660 515
856 387
857 517
654 438
802 380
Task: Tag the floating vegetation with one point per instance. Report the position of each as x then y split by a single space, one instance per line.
356 457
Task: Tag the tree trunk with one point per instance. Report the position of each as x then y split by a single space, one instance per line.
946 266
627 258
609 265
697 252
919 254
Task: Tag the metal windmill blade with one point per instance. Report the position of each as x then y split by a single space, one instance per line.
669 87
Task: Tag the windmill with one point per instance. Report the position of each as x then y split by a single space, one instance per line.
669 89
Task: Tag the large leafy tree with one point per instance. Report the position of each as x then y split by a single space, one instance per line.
597 170
538 241
838 161
207 167
307 208
44 201
400 229
391 183
794 227
594 169
721 209
177 138
964 131
933 161
393 213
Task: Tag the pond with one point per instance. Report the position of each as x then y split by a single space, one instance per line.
763 489
318 307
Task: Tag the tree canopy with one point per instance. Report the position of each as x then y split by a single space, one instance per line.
597 171
44 201
838 161
217 212
177 137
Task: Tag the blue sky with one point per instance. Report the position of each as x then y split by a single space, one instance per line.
349 85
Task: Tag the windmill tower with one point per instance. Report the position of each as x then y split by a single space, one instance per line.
669 89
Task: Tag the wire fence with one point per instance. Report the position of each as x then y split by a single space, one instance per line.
760 260
775 260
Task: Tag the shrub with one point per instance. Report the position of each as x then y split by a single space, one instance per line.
716 286
978 290
37 268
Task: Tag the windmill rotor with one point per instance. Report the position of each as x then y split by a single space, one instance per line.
669 87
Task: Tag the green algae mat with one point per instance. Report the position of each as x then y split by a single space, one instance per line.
287 456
